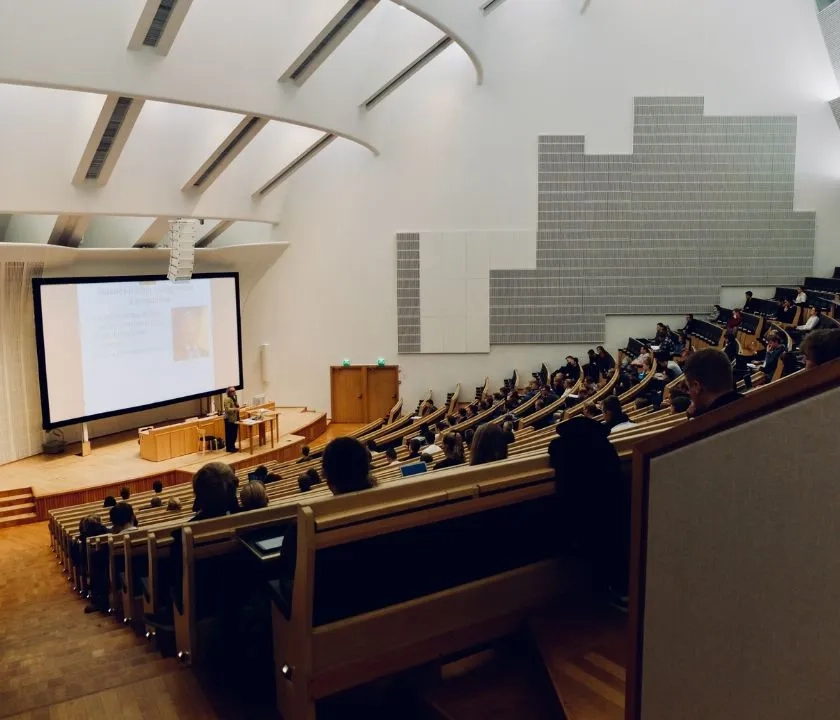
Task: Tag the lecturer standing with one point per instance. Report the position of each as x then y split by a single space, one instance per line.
231 409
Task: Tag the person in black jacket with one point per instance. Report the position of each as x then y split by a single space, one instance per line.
605 361
453 449
708 376
594 502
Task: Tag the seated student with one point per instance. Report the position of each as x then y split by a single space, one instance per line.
680 403
347 466
786 312
660 335
391 456
414 446
156 500
641 361
801 296
214 486
558 383
122 518
261 473
174 505
468 436
735 320
304 454
594 504
572 368
125 493
614 418
453 449
820 346
109 501
731 347
253 496
429 437
708 376
488 445
813 321
775 348
605 361
547 395
689 323
507 429
591 370
89 527
715 315
272 478
748 299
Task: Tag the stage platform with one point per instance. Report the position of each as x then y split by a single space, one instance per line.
69 479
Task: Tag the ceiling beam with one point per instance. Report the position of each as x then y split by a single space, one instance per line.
238 139
154 233
106 143
158 25
294 166
214 232
69 230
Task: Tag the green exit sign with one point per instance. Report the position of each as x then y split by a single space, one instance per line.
346 362
380 362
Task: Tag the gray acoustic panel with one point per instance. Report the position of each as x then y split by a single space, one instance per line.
408 292
702 201
835 108
830 25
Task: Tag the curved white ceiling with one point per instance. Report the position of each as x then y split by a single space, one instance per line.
65 66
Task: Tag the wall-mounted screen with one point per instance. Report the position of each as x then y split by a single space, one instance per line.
118 344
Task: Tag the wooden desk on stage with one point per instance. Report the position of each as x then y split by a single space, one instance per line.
171 441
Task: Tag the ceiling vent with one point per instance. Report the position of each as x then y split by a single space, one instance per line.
295 165
405 74
158 25
328 40
214 232
225 154
489 7
110 133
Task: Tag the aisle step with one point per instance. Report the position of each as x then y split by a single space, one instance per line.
19 519
584 651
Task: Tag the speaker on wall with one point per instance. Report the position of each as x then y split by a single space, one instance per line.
264 362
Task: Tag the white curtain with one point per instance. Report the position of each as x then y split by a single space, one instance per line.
20 408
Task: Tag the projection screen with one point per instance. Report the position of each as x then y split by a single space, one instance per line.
118 344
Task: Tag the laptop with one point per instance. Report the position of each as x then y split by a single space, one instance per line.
413 469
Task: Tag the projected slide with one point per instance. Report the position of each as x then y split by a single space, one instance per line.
109 347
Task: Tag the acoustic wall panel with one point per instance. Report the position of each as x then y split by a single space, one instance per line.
835 108
701 202
408 292
830 25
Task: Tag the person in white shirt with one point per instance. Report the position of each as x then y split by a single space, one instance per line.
391 455
813 320
801 297
642 360
614 417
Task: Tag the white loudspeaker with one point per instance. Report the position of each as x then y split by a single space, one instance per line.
264 362
183 234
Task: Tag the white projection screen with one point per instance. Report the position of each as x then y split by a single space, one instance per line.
118 344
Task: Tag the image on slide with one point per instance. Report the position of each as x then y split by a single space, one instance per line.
190 332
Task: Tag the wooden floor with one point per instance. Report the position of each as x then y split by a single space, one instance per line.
58 663
116 458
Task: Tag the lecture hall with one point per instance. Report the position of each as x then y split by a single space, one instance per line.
419 359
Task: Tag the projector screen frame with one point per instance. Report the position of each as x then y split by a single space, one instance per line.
37 283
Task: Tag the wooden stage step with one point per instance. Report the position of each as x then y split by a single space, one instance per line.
17 507
585 652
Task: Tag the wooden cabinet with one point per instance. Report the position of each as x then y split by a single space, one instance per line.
362 393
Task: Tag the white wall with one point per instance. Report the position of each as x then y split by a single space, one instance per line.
459 156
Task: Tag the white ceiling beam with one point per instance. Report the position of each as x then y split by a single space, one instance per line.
69 230
225 154
294 166
158 25
110 133
213 233
154 233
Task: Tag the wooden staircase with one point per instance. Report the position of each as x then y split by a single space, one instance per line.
585 653
17 507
